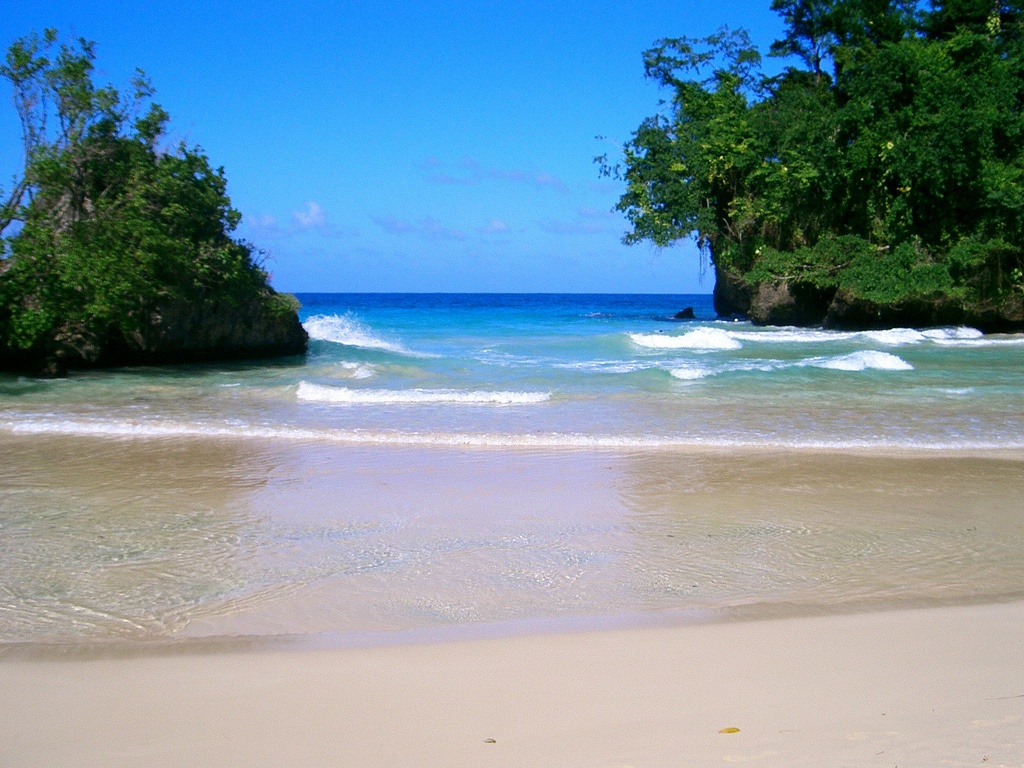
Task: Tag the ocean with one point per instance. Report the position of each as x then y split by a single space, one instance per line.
450 460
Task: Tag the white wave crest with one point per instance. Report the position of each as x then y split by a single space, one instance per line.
700 338
345 329
344 395
1014 340
860 361
895 336
943 334
891 336
690 373
358 370
790 336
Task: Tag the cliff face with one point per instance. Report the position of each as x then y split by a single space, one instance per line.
177 332
784 302
217 330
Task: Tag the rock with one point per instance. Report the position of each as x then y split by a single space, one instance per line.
184 332
782 302
732 293
853 313
785 303
179 332
685 314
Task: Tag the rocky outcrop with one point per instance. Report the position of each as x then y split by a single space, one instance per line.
732 295
178 332
850 312
186 332
782 302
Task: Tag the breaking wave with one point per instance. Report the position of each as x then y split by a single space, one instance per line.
860 361
855 361
345 329
701 338
344 395
721 339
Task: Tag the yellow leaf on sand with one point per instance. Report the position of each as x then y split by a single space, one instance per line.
730 730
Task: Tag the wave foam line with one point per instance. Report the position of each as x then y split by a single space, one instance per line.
853 362
716 338
344 395
861 361
701 338
345 329
138 430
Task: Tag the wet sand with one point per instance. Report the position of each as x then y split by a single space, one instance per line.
924 687
205 538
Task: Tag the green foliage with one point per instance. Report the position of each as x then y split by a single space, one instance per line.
890 163
114 228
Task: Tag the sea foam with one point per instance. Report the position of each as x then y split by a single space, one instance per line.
345 329
690 373
357 370
790 336
860 361
700 338
344 395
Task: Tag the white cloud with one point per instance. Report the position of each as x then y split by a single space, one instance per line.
313 216
494 226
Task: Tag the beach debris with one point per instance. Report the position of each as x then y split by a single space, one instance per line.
730 730
490 741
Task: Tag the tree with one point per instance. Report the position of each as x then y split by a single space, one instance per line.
118 234
895 178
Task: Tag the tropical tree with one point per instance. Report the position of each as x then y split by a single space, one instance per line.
111 231
884 164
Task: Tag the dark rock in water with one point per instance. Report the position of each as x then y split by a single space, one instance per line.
685 314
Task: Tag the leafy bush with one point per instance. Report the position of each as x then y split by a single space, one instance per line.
114 228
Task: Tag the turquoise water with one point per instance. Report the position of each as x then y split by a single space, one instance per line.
454 460
562 370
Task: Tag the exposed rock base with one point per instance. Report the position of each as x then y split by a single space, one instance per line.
781 302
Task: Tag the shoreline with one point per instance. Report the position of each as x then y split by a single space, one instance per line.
924 686
496 631
556 442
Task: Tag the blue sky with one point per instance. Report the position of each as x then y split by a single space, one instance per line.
409 146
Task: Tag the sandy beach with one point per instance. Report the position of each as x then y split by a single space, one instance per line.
927 687
269 604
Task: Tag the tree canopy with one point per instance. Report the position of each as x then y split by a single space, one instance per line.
885 164
109 231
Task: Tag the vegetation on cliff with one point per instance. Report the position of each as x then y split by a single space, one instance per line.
117 248
878 180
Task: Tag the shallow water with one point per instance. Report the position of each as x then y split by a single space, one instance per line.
160 538
448 461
